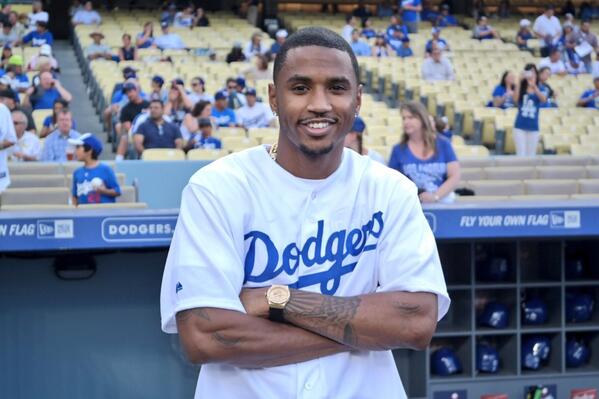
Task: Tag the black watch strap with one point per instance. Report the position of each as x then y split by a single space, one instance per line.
275 314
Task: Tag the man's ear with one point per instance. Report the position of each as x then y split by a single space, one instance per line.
272 97
359 98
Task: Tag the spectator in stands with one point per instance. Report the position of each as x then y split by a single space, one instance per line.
503 94
97 49
526 127
37 14
156 132
548 29
198 91
116 97
396 31
39 36
254 113
201 18
234 93
178 103
169 40
185 18
568 41
404 50
6 54
442 127
350 25
573 63
9 98
410 14
361 11
445 19
169 13
19 81
254 46
425 157
280 38
436 67
436 40
27 147
368 31
128 52
484 31
18 29
259 71
592 44
55 145
135 106
43 56
145 39
589 98
49 123
8 138
550 95
6 10
554 62
94 182
202 109
524 34
203 138
42 96
7 36
236 54
360 48
87 15
223 115
380 49
354 140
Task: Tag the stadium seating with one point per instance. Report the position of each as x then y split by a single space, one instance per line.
163 154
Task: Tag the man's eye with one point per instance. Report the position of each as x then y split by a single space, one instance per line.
338 88
299 89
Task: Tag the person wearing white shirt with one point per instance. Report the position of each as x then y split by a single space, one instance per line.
296 268
198 91
37 14
169 40
8 138
87 15
554 63
547 28
436 67
28 146
254 46
254 113
350 25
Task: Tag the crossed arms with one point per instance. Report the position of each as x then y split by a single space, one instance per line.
318 325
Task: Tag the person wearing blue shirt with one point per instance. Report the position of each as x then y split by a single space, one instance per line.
425 157
445 19
503 94
441 43
526 126
47 92
223 116
280 38
483 31
360 48
589 98
410 13
396 31
548 92
204 139
94 182
39 36
404 50
524 35
367 31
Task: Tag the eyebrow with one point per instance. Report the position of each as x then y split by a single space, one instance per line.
307 80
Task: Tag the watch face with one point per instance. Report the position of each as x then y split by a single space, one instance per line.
278 295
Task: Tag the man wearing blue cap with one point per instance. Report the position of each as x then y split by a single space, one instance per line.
436 40
404 50
94 182
254 113
224 116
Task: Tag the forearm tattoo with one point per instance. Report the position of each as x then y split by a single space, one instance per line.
203 314
328 316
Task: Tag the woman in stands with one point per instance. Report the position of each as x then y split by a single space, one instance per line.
528 99
145 39
380 48
178 103
425 157
49 123
202 109
503 95
6 54
128 52
201 18
260 69
544 75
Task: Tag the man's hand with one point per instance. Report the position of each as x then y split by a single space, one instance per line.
426 197
254 301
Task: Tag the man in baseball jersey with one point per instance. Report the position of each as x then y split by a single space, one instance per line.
295 268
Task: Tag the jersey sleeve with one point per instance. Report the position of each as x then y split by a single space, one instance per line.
498 92
204 267
447 149
408 259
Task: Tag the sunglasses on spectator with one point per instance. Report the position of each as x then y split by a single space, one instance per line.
19 123
232 87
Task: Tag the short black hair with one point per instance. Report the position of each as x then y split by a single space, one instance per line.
315 36
157 101
87 147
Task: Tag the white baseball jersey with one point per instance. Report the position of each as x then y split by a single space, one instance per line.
246 222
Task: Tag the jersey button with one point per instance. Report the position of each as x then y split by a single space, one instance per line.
313 195
308 386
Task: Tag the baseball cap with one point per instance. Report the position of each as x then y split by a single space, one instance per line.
250 92
129 72
46 50
435 30
129 86
236 44
179 81
7 25
282 33
405 39
43 24
359 126
7 93
220 96
90 140
240 82
164 24
445 7
158 80
524 22
16 60
203 122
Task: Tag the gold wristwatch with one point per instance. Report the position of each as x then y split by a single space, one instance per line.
277 297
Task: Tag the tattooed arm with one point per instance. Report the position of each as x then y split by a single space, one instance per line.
211 335
378 321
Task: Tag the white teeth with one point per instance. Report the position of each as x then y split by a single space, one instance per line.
321 125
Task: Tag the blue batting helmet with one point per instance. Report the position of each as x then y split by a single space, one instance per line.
487 358
579 307
534 311
495 315
577 353
535 351
444 362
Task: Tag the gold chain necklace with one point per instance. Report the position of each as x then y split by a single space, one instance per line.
273 152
